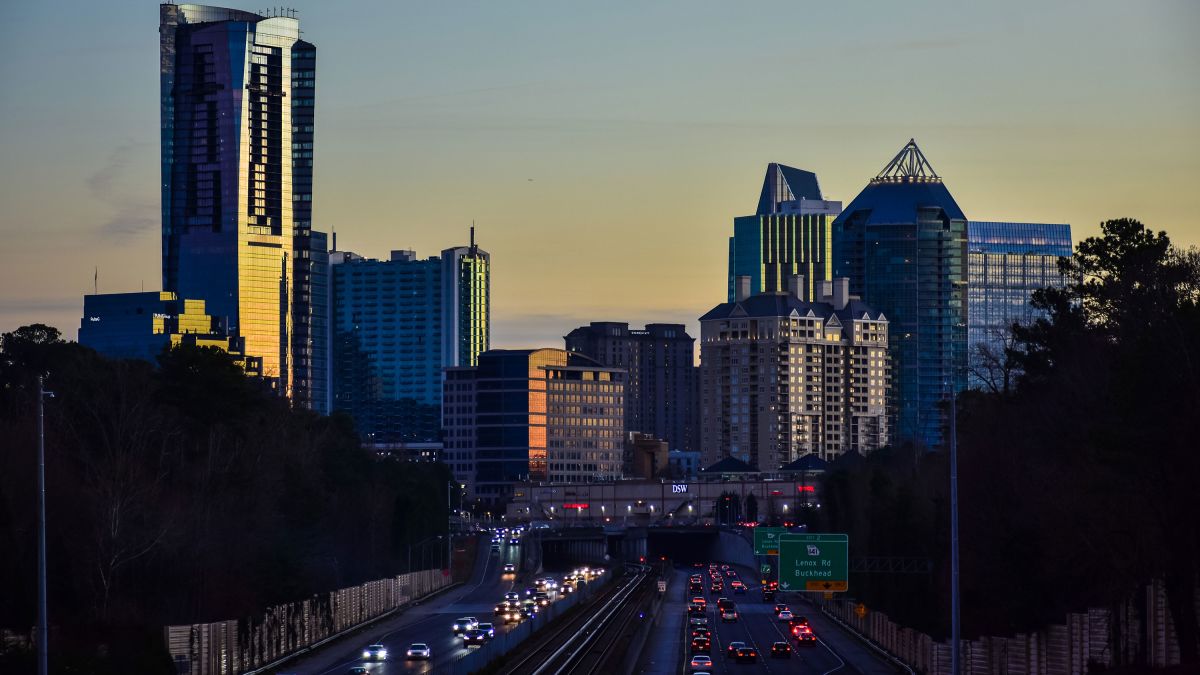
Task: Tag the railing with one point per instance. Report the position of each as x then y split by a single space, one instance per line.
476 660
1141 631
237 646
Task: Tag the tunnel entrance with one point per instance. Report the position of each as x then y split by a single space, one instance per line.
683 546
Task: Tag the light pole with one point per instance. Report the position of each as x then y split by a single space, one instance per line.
43 622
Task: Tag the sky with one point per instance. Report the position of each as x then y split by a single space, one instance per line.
603 149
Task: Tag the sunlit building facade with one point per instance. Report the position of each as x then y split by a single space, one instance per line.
397 324
902 242
532 415
237 127
1007 262
785 374
789 234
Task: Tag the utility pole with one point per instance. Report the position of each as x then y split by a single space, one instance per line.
955 652
449 540
43 635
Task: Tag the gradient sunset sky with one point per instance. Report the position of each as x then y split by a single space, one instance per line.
603 149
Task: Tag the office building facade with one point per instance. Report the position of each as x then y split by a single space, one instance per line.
789 234
784 375
142 325
397 324
1007 262
902 243
236 102
532 415
662 383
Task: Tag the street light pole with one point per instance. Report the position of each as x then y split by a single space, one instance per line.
955 652
43 636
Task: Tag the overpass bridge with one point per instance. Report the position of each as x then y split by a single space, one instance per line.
616 543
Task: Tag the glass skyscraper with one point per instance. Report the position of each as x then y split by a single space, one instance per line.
237 128
902 243
1007 263
397 324
788 235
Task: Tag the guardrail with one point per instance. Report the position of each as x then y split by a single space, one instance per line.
238 646
478 659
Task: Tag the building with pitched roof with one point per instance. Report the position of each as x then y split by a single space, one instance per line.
902 243
788 234
785 374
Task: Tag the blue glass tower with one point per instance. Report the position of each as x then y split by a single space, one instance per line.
1007 263
902 243
788 235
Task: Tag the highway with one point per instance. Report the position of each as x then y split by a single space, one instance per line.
429 622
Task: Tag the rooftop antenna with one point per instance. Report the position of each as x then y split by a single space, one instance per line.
96 281
334 240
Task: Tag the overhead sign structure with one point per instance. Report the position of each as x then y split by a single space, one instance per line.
766 540
814 562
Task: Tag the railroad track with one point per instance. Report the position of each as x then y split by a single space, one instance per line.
569 646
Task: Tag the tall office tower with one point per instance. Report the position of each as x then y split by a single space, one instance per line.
315 308
397 324
230 235
661 387
902 243
783 375
1007 262
788 235
533 414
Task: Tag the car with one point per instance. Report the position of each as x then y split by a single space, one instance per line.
701 631
701 644
418 650
724 567
716 588
786 615
700 662
801 621
804 636
724 604
542 599
699 600
779 607
375 652
694 621
781 650
495 548
512 597
514 541
729 616
358 670
501 608
488 630
474 638
746 655
732 647
568 586
730 573
464 624
738 587
509 568
530 591
695 610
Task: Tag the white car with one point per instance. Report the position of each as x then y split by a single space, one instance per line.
785 615
419 650
375 653
700 662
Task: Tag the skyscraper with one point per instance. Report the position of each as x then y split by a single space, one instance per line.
786 374
788 235
1007 262
662 383
533 414
902 243
236 94
397 324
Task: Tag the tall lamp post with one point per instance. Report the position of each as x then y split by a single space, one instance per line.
43 636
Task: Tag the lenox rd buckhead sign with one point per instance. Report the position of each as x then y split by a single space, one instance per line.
814 562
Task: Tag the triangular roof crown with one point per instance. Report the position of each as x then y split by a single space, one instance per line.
786 184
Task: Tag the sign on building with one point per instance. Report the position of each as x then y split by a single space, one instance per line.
814 562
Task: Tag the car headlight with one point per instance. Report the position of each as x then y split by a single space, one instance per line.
366 655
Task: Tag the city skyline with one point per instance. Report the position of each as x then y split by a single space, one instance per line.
557 154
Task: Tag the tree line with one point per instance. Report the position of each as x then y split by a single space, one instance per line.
1079 461
183 493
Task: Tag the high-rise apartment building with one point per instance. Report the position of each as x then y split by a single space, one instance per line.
533 415
397 324
236 93
662 384
1007 262
783 375
789 234
902 243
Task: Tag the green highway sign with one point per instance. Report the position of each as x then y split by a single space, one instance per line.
766 540
814 562
764 568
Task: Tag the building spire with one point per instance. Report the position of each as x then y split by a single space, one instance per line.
908 166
